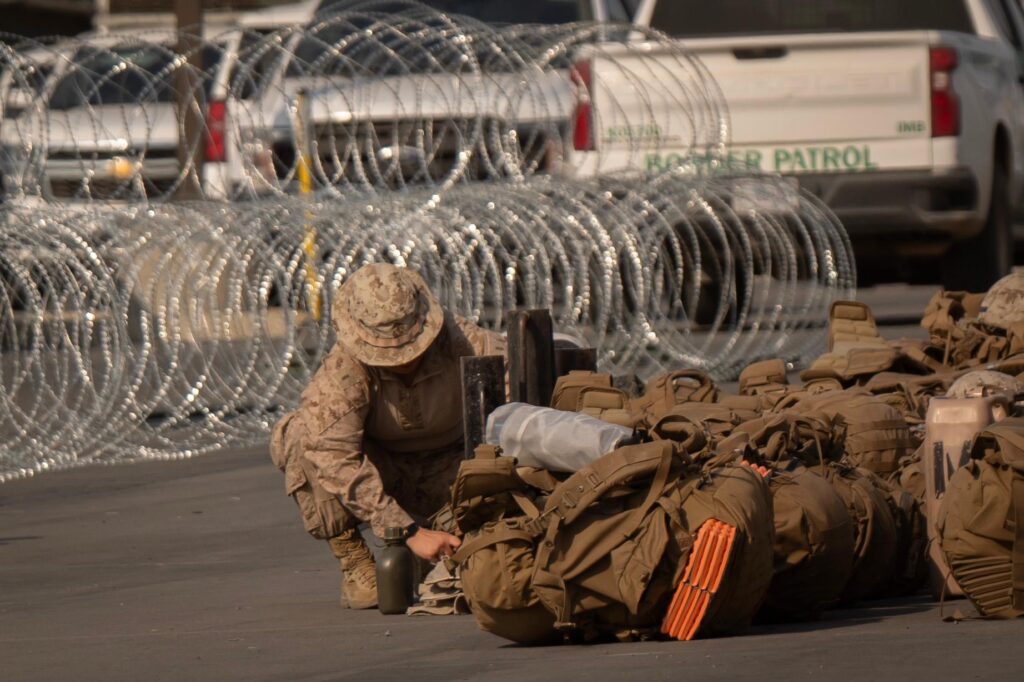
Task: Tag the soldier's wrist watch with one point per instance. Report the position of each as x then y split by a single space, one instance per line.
410 530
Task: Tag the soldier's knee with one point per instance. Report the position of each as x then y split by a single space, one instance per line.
322 513
286 440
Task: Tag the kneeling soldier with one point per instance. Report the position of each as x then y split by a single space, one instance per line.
377 437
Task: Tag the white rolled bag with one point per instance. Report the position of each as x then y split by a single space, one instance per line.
552 439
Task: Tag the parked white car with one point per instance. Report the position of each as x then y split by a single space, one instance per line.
906 117
22 83
108 129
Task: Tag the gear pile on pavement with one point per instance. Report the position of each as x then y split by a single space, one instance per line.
847 456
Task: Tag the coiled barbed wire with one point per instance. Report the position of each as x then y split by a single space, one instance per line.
132 326
164 331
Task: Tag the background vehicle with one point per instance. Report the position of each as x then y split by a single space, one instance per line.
21 86
109 128
906 117
362 127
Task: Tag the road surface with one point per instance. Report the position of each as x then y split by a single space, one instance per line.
200 570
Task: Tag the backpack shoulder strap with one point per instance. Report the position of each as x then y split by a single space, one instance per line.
489 539
587 485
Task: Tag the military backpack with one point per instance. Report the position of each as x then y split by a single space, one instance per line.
981 521
612 550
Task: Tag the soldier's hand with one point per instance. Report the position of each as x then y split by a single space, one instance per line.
431 545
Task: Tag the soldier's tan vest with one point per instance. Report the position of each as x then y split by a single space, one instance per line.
855 348
423 415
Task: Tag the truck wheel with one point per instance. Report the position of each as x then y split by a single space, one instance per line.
976 264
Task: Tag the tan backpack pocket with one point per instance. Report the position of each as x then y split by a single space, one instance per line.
566 394
497 570
486 489
607 404
636 561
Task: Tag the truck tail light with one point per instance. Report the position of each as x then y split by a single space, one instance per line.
945 103
583 113
215 115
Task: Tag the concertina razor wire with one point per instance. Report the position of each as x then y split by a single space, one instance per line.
137 327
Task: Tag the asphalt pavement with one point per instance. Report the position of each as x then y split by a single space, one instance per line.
200 570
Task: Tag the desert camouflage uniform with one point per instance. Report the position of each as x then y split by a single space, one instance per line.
369 445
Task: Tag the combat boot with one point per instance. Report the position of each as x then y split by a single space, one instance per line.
358 571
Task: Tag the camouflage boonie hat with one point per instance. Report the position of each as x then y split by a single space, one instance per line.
386 316
981 383
1003 305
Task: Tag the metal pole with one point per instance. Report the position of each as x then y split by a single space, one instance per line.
101 15
190 107
531 356
301 125
483 390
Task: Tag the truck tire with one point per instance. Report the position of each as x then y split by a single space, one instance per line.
977 263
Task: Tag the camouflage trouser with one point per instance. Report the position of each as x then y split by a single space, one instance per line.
421 484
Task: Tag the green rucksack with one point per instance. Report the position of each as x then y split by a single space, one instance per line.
877 437
819 442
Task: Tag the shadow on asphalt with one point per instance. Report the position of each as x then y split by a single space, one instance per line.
7 541
870 612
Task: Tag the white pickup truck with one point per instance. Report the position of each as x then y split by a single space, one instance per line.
906 117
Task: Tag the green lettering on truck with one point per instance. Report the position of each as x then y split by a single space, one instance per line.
851 157
868 165
831 159
799 160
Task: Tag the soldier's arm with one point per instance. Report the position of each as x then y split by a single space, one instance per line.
335 416
483 341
